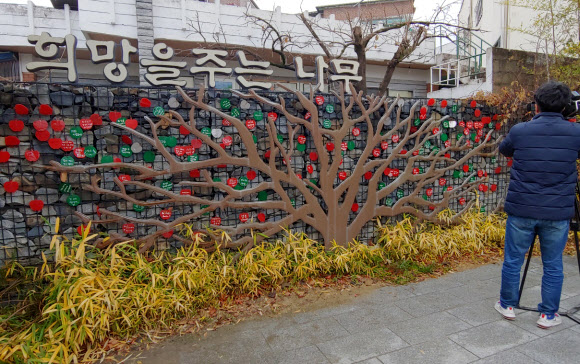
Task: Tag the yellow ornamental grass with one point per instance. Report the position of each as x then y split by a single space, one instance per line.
87 295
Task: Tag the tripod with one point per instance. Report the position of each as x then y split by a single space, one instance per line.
575 226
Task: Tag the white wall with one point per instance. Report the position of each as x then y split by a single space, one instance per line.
170 21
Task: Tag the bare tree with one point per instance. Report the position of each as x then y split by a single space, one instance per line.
363 34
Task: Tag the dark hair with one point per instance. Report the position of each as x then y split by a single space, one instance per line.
553 97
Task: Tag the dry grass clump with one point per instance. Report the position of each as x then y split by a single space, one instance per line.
87 295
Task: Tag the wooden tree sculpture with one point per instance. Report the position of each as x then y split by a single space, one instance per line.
399 163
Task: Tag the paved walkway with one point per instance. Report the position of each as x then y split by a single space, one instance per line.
445 320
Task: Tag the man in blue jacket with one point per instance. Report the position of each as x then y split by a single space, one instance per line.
540 198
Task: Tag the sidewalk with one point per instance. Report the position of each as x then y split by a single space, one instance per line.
445 320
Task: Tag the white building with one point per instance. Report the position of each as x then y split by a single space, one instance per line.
465 66
145 23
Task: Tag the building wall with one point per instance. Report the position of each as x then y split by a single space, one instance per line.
368 10
103 19
501 23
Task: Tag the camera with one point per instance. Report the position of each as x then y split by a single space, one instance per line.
573 107
570 111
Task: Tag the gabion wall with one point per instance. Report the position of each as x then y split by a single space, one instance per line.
72 125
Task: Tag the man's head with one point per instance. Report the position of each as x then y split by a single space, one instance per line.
552 97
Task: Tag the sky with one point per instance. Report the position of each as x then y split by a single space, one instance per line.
424 7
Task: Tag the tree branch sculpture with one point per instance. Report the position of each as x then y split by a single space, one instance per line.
335 199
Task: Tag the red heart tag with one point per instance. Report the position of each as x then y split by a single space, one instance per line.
267 154
444 103
194 173
185 192
131 123
449 188
79 153
477 113
376 152
97 119
167 234
466 168
403 152
307 115
395 172
217 221
179 150
310 169
86 124
114 116
165 214
442 181
415 152
469 124
82 229
330 147
32 155
415 170
36 205
244 216
232 182
429 192
128 228
473 103
4 156
431 102
16 125
124 177
67 146
319 100
301 139
384 145
342 175
272 116
144 102
45 109
183 130
493 188
126 139
462 201
57 124
395 138
20 109
42 135
55 143
11 186
12 141
423 110
196 143
354 207
226 122
368 175
261 217
227 140
313 156
40 125
251 175
251 124
435 131
344 146
356 131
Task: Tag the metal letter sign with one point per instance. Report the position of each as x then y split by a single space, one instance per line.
162 71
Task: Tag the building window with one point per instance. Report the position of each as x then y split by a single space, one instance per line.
478 11
9 67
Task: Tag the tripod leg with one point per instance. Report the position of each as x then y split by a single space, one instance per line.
526 270
577 247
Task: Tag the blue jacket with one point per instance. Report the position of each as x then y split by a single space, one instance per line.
543 174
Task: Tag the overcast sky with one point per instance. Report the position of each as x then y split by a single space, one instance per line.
424 7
